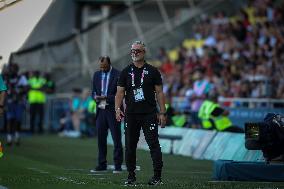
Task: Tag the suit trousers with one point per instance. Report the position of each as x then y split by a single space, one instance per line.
105 119
149 125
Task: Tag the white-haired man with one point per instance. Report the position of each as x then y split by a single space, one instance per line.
141 84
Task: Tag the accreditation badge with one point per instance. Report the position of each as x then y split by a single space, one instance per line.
138 94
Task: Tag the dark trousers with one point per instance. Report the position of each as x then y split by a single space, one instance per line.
14 114
106 120
36 110
13 126
149 124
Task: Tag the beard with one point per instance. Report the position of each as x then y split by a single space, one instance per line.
137 58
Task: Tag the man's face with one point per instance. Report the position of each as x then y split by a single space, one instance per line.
104 65
137 52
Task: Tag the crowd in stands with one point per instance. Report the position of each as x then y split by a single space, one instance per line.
240 56
236 56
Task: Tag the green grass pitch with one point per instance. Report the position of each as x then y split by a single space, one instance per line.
52 162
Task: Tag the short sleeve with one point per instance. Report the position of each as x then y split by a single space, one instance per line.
2 84
122 80
157 77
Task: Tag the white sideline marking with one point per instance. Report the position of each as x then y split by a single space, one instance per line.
38 170
95 174
75 169
227 181
109 168
60 178
3 187
70 180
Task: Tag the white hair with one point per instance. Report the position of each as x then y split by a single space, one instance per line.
139 43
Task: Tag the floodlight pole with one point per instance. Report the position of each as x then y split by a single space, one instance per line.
105 31
165 15
135 22
86 67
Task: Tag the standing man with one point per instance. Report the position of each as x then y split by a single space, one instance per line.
15 102
3 88
36 99
104 90
140 83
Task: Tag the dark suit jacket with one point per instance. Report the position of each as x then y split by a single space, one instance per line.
112 86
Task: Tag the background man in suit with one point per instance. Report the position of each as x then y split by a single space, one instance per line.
104 90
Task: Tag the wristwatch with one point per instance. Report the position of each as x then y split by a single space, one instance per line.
117 109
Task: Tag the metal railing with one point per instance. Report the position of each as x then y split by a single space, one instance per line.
252 102
182 104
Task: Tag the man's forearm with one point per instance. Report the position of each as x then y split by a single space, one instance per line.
161 101
118 100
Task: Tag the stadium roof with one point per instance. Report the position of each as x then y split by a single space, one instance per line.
59 21
54 24
107 1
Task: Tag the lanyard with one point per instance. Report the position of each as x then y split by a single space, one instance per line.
133 76
104 88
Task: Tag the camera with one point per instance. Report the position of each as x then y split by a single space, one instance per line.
267 136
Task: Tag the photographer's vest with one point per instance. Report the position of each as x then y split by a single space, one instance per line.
179 120
92 107
208 121
35 94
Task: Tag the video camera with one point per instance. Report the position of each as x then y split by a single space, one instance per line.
267 136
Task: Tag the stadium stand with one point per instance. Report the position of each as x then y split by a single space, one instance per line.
239 52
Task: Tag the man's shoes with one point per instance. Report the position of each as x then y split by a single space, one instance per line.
155 181
130 180
9 140
99 169
117 170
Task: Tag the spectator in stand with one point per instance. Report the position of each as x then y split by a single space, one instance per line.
242 54
201 87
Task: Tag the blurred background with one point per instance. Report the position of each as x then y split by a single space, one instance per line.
229 49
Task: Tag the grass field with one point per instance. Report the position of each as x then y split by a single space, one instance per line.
53 162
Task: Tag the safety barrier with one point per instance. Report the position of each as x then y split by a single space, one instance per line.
55 107
203 144
241 110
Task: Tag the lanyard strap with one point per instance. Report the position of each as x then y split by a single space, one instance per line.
133 77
